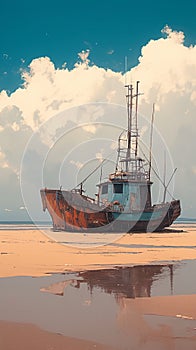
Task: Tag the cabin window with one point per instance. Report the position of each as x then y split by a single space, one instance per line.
104 189
118 188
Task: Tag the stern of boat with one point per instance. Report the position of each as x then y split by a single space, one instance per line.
176 210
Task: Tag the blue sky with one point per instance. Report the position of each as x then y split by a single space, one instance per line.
111 30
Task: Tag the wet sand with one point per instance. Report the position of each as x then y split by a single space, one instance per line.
32 253
26 336
165 323
158 322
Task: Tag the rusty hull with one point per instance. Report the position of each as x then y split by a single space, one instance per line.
73 212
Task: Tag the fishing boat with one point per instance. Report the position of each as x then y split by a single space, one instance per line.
123 202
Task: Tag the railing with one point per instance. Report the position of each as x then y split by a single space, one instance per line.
130 176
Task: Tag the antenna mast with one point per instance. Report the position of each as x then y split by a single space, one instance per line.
136 109
132 129
129 112
151 134
132 164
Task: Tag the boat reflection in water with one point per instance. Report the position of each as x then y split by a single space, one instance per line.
128 282
123 307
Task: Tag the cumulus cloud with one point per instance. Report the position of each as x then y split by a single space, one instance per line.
167 74
174 35
78 164
47 90
5 56
99 156
110 52
89 128
84 56
3 163
165 66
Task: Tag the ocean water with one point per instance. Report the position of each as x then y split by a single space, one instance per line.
24 225
28 225
185 221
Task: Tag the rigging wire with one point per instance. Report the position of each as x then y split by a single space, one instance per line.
86 178
165 187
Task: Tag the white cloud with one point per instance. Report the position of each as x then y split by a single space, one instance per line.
178 37
99 156
193 97
194 169
84 56
89 128
110 52
78 164
166 66
113 145
47 90
5 56
3 163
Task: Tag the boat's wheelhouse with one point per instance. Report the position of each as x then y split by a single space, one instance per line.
125 195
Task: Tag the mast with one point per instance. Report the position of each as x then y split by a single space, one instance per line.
129 127
151 135
131 166
132 129
136 109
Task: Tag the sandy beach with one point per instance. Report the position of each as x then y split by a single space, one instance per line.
159 322
33 253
